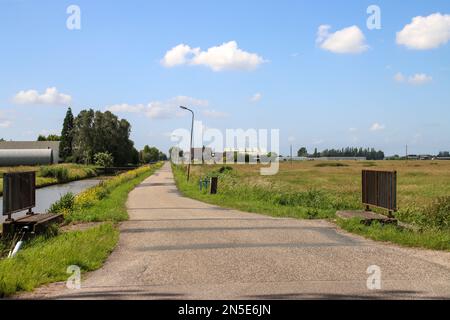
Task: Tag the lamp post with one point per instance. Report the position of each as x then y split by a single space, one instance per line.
192 132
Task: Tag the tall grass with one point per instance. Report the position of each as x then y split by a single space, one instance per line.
269 198
430 238
314 190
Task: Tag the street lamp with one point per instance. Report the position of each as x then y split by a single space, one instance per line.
192 132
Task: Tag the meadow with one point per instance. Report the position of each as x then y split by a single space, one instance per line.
52 174
317 189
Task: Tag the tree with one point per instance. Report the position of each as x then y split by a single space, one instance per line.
150 154
50 137
103 159
65 147
95 132
302 152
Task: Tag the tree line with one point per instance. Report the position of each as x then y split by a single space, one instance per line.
369 153
100 137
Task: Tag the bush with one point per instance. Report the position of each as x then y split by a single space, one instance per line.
438 213
331 164
63 205
103 159
61 174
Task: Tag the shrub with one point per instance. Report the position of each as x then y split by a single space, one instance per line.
61 174
103 159
438 213
331 164
64 204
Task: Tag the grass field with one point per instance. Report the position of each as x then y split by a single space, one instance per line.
317 189
45 259
52 174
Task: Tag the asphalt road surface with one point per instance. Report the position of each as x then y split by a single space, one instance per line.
178 248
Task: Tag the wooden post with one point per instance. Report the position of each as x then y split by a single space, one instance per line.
214 181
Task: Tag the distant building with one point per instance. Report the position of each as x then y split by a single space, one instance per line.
15 153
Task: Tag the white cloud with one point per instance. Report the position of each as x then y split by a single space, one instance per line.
256 97
4 121
160 109
352 129
416 79
178 55
377 127
348 40
227 56
125 107
51 96
419 79
425 33
214 114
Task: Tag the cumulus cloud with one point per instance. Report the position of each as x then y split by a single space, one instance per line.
256 97
348 40
399 77
51 96
125 107
377 127
419 79
160 109
416 79
179 55
227 56
425 33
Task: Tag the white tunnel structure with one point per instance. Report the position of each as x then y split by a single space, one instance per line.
17 157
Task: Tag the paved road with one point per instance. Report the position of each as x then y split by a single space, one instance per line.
177 248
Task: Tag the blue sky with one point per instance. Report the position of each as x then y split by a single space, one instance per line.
356 87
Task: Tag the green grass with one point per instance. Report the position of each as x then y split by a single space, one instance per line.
110 207
46 260
310 190
310 204
436 239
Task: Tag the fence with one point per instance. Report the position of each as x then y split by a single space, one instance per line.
19 192
379 189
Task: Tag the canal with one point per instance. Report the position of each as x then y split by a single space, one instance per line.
46 196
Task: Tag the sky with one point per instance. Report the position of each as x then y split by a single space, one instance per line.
315 70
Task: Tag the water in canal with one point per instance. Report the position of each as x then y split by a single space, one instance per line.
45 197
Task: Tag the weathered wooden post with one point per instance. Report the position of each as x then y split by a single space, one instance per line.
214 181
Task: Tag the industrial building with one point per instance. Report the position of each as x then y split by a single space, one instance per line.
16 153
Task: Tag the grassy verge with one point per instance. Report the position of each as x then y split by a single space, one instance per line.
45 260
53 174
436 239
245 190
269 200
105 202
